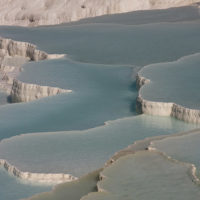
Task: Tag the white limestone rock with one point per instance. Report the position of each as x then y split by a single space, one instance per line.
17 53
55 56
154 108
48 12
165 108
14 48
185 114
41 178
140 81
25 92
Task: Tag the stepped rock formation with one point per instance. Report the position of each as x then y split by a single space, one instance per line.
48 12
22 92
12 48
37 177
163 108
25 92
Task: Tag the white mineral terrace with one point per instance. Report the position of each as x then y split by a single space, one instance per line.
48 12
19 91
37 177
145 146
165 109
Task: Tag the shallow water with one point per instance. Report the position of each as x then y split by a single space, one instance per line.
100 93
73 190
112 43
146 175
176 82
11 188
79 152
184 148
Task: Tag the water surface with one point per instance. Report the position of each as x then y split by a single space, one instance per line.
12 189
100 93
114 43
184 148
80 152
146 175
176 82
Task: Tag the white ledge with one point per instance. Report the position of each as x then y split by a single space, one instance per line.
164 109
41 178
19 91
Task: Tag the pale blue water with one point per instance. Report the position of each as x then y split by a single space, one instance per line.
176 82
11 188
80 77
146 175
112 43
79 152
148 45
184 148
71 190
101 92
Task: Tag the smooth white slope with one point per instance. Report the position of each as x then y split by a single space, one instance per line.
46 12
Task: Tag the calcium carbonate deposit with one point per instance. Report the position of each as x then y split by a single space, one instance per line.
77 99
46 12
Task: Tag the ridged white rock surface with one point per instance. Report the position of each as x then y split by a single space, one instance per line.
140 81
165 109
14 48
46 12
19 91
25 92
37 177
